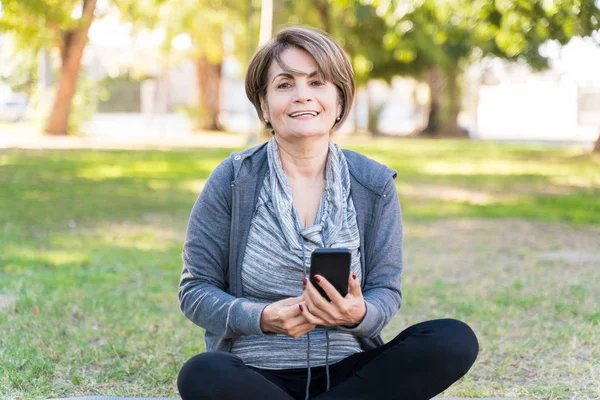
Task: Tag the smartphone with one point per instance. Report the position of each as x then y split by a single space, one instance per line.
334 265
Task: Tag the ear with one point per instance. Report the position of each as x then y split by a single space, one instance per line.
340 107
338 111
265 109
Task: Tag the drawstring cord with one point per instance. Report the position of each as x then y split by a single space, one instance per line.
327 357
308 363
308 333
308 378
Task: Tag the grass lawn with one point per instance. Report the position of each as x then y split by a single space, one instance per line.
506 238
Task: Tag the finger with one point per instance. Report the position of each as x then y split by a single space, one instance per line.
298 326
291 301
331 291
310 317
308 300
354 286
290 311
298 321
292 325
316 303
301 331
311 295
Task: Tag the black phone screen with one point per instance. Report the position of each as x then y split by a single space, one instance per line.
334 265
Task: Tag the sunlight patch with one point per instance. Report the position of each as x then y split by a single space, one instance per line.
152 167
138 236
56 258
452 193
60 257
136 169
100 172
193 186
157 184
35 195
7 301
576 181
493 167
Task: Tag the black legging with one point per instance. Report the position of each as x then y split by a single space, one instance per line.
422 361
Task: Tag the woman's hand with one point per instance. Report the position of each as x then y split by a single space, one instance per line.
285 317
346 311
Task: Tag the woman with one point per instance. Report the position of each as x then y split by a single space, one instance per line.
269 333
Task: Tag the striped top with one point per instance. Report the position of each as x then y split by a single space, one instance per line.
273 265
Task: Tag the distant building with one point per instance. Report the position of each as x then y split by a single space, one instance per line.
511 102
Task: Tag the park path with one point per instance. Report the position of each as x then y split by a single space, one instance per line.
201 139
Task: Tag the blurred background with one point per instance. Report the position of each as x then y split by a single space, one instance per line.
113 113
503 70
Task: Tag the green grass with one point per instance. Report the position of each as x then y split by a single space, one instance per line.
90 246
480 179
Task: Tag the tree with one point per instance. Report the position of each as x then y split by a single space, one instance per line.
438 38
205 22
63 25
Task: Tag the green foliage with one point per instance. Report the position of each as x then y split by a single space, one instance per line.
408 37
442 35
37 23
436 33
204 21
18 67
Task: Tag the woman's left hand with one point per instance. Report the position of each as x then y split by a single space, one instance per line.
347 311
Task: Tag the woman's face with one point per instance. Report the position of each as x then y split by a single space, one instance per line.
299 104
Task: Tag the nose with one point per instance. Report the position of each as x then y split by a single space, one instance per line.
302 94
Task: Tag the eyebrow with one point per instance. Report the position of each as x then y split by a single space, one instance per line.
288 75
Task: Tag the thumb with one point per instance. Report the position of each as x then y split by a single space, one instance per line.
354 286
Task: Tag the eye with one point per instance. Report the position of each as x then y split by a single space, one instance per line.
283 85
317 83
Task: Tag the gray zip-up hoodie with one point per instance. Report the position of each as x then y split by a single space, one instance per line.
210 290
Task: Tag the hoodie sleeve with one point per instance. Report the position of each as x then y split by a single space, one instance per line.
202 295
382 288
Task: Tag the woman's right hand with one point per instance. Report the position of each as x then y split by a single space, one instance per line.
285 317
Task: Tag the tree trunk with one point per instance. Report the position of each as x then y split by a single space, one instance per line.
71 50
450 126
322 7
597 146
209 89
266 22
435 81
444 103
356 115
371 112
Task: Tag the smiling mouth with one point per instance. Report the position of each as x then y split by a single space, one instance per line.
304 114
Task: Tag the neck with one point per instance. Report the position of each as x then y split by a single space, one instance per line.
305 159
